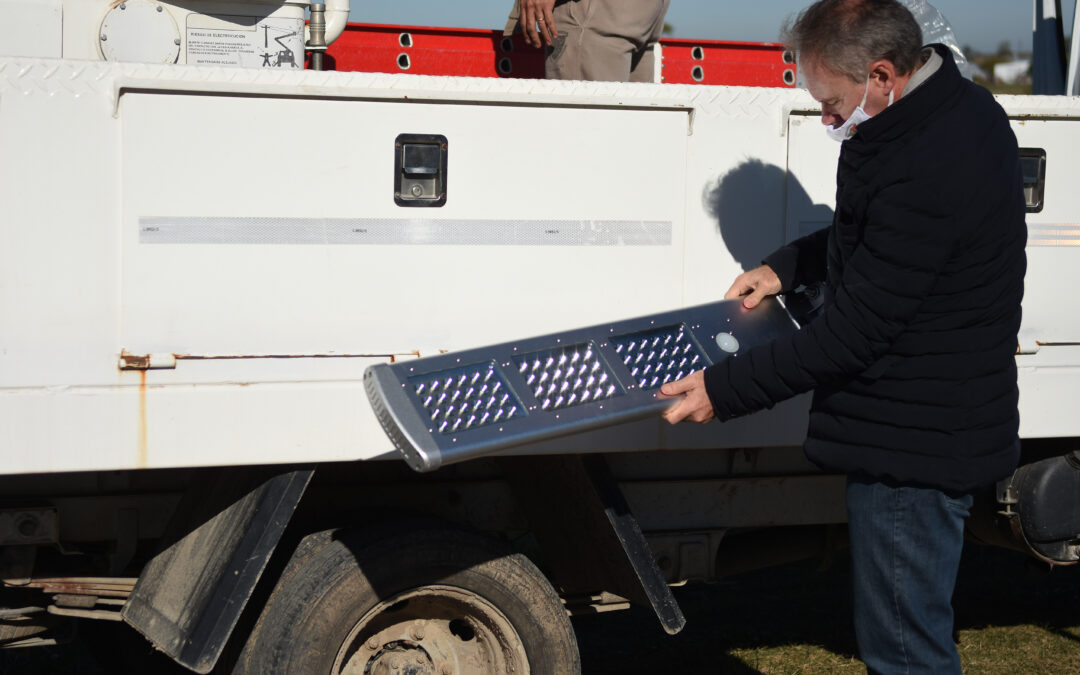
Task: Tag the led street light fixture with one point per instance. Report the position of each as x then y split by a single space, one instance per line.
447 408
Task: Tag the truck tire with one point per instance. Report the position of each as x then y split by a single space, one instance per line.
432 599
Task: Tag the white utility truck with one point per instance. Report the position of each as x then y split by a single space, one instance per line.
203 246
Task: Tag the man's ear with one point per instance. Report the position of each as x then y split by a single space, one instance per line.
883 75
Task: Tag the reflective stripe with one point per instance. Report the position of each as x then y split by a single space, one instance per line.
257 230
1054 235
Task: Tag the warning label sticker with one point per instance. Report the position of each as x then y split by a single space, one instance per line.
264 43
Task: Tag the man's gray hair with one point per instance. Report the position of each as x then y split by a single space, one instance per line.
846 36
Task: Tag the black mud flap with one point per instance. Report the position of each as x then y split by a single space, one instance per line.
589 537
190 595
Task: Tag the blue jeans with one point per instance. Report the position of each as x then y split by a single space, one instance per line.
905 552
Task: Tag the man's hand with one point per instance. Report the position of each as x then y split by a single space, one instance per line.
537 22
694 405
754 285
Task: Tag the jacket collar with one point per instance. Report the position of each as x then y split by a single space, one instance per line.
931 61
914 107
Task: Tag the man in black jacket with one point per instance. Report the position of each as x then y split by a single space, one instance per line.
911 362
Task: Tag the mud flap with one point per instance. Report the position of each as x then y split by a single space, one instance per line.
190 595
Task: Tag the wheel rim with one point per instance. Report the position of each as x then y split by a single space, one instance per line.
432 630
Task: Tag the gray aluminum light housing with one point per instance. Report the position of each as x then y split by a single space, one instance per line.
451 407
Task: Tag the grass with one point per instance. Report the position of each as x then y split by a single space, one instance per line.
1011 616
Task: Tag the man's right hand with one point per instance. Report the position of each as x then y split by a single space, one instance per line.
754 285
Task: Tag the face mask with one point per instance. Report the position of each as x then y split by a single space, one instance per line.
857 117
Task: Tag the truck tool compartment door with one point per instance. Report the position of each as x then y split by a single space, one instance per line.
1049 359
263 230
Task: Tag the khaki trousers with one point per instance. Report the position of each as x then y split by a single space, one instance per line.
608 40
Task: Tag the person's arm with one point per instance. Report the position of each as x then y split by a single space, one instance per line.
802 262
538 22
905 245
798 263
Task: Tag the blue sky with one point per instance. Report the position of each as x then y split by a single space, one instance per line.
983 24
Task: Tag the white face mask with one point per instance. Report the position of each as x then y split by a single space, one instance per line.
857 117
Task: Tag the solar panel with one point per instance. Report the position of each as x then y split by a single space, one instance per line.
447 408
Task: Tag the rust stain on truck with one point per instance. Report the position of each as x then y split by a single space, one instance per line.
167 361
141 454
129 361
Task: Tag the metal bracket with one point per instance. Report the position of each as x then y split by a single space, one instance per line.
29 526
130 361
1026 343
588 534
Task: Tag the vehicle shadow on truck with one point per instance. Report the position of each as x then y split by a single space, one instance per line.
751 211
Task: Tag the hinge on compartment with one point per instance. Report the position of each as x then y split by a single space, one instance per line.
129 361
1026 343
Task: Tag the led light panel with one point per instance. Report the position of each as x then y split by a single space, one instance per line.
466 398
567 376
448 408
658 356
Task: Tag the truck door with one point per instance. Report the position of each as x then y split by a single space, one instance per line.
263 246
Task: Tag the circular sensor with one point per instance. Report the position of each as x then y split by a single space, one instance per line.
727 342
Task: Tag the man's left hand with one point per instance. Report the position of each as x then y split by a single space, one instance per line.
694 405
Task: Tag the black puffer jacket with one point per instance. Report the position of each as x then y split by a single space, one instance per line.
912 361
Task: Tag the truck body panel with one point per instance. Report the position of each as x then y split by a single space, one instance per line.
200 262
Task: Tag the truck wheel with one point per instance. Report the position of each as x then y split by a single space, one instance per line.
434 600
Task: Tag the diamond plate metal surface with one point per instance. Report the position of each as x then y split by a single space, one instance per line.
50 76
80 78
